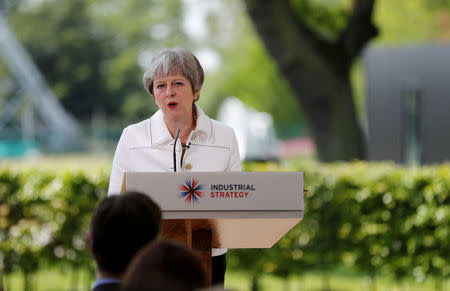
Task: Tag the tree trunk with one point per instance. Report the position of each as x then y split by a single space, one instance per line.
373 281
438 283
6 283
318 72
1 280
255 283
287 285
326 281
74 279
90 278
27 281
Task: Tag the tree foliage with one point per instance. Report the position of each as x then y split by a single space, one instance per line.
248 72
327 18
89 50
92 52
316 43
317 69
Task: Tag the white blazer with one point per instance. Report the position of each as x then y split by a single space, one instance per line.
147 146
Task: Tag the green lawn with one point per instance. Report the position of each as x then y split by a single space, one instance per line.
338 282
51 280
54 279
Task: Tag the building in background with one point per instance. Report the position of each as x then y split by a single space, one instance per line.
254 130
408 103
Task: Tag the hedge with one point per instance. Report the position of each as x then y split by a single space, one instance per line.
44 216
379 218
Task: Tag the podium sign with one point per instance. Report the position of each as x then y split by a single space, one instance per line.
206 210
243 210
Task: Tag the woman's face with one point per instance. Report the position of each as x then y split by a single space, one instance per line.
173 94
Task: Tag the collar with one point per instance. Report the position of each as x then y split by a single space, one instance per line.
159 133
105 281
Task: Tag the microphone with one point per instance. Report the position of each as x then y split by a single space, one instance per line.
174 151
187 146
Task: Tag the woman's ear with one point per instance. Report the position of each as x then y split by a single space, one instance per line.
89 242
196 94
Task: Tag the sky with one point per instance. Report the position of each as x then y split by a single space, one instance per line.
195 25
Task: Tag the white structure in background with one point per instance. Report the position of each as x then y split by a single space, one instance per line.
56 127
254 130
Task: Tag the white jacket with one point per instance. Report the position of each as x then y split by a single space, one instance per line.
148 147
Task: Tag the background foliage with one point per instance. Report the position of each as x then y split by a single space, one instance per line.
379 218
93 52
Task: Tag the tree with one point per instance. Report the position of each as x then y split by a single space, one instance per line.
316 63
66 51
246 69
89 51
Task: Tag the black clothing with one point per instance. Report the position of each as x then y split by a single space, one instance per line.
108 287
219 266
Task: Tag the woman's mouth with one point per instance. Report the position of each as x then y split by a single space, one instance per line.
172 105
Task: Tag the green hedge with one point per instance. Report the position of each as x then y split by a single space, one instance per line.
44 216
379 218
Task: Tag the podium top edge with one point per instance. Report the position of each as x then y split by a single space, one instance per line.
217 172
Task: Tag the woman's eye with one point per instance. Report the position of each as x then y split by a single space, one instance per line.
159 86
179 83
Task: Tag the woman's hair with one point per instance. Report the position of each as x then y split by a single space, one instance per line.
164 266
169 61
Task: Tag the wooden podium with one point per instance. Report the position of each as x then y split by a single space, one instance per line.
206 210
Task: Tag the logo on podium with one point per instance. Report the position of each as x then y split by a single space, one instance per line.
191 191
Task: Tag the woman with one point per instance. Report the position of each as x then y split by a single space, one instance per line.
175 78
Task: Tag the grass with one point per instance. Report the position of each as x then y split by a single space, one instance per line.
51 280
57 279
338 282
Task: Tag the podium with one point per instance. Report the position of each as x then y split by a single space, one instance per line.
206 210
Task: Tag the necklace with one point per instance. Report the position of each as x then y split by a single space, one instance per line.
194 119
194 115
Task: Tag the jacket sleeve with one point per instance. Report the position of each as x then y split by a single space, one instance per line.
234 164
119 165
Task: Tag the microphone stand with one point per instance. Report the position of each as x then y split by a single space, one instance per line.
174 151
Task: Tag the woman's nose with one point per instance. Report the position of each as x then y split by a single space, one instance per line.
170 91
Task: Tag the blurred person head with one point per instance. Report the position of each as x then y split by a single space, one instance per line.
174 78
120 227
215 288
164 266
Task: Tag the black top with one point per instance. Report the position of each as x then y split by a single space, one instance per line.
108 287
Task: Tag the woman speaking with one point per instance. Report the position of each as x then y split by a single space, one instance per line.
174 78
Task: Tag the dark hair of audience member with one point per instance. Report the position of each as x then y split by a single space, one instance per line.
164 265
121 226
